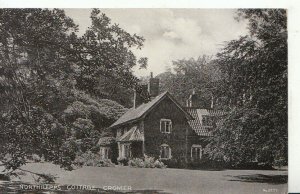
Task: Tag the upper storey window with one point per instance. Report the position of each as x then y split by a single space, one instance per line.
165 125
207 121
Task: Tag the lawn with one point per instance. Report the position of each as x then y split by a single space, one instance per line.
164 180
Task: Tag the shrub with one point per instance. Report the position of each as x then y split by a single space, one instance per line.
123 161
91 159
175 163
36 158
147 162
159 164
136 162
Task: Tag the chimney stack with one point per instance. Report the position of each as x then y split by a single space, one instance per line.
140 95
153 86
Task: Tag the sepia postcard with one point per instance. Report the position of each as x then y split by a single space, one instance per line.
144 100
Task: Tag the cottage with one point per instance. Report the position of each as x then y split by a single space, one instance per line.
162 128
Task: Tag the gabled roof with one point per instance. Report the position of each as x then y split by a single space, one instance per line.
196 124
134 114
133 134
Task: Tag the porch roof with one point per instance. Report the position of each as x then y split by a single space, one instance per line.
134 134
106 141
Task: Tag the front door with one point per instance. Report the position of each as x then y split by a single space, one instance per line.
137 149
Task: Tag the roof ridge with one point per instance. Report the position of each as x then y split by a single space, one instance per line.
134 114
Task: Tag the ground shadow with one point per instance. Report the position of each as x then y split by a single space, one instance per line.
261 178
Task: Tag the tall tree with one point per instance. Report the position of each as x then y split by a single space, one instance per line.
34 66
191 74
46 70
254 68
107 59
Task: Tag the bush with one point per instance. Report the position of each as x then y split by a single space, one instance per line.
175 163
36 158
123 161
91 159
147 162
136 162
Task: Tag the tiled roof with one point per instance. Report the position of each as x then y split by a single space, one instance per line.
196 124
136 113
216 112
104 141
134 134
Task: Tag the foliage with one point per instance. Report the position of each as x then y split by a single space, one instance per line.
248 79
146 162
123 161
107 58
67 154
175 163
91 159
50 102
199 74
254 70
36 158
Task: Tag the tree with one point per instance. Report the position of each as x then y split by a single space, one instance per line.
33 68
106 59
192 74
254 71
46 70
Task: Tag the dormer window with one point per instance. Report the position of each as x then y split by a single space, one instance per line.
165 125
206 121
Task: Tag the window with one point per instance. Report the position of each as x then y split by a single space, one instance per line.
165 151
125 150
196 151
104 151
165 125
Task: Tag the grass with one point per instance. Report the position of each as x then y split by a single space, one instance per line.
163 180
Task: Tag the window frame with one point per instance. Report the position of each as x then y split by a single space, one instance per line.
169 152
196 148
165 121
126 150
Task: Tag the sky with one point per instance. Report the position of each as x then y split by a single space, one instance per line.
171 34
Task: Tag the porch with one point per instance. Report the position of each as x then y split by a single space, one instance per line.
131 144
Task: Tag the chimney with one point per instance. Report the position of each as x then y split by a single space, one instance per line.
195 100
140 95
153 86
192 100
